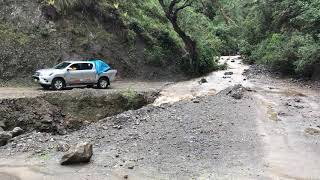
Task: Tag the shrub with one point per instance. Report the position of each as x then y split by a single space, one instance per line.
131 98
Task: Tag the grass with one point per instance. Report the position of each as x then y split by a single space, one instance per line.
131 97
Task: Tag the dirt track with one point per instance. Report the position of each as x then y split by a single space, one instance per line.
21 92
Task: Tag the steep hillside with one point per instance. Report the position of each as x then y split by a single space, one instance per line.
138 41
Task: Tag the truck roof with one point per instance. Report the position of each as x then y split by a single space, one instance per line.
78 61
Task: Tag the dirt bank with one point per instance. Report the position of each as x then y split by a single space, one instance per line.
58 112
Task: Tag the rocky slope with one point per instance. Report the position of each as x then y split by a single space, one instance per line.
35 35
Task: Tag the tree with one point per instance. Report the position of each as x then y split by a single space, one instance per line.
171 9
224 14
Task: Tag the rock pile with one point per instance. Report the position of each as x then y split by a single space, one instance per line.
5 136
237 91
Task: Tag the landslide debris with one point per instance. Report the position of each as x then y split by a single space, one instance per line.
237 91
81 153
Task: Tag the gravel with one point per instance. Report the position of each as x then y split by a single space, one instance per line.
211 138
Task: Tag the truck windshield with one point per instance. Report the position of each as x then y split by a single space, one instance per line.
62 65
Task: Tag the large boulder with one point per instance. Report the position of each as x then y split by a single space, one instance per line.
17 131
81 153
4 137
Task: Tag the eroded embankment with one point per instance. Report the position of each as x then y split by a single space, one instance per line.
60 112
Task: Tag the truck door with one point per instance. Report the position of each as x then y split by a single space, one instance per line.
88 73
74 74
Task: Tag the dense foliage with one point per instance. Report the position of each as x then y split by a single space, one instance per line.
282 34
159 37
199 21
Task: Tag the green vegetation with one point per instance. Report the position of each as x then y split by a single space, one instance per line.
132 99
163 37
193 41
282 34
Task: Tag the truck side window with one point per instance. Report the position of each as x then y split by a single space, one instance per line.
86 66
75 67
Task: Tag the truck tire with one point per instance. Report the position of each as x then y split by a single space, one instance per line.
90 86
58 84
103 83
45 87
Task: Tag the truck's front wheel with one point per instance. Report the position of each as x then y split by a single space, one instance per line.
45 87
103 83
58 84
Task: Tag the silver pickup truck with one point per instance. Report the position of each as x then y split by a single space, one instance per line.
74 73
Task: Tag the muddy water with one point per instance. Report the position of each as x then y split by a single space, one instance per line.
217 81
286 111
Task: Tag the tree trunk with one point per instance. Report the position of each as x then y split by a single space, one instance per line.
191 45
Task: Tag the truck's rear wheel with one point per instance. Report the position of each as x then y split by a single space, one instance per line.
58 84
103 83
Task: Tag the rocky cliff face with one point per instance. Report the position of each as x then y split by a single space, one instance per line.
34 35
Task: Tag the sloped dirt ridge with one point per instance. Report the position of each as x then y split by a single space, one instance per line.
60 112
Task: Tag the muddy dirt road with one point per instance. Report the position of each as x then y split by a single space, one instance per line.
21 92
192 131
289 119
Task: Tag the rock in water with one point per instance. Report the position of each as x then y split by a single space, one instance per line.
228 73
17 131
203 80
4 138
81 153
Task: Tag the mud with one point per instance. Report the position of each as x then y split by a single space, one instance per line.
216 82
289 118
